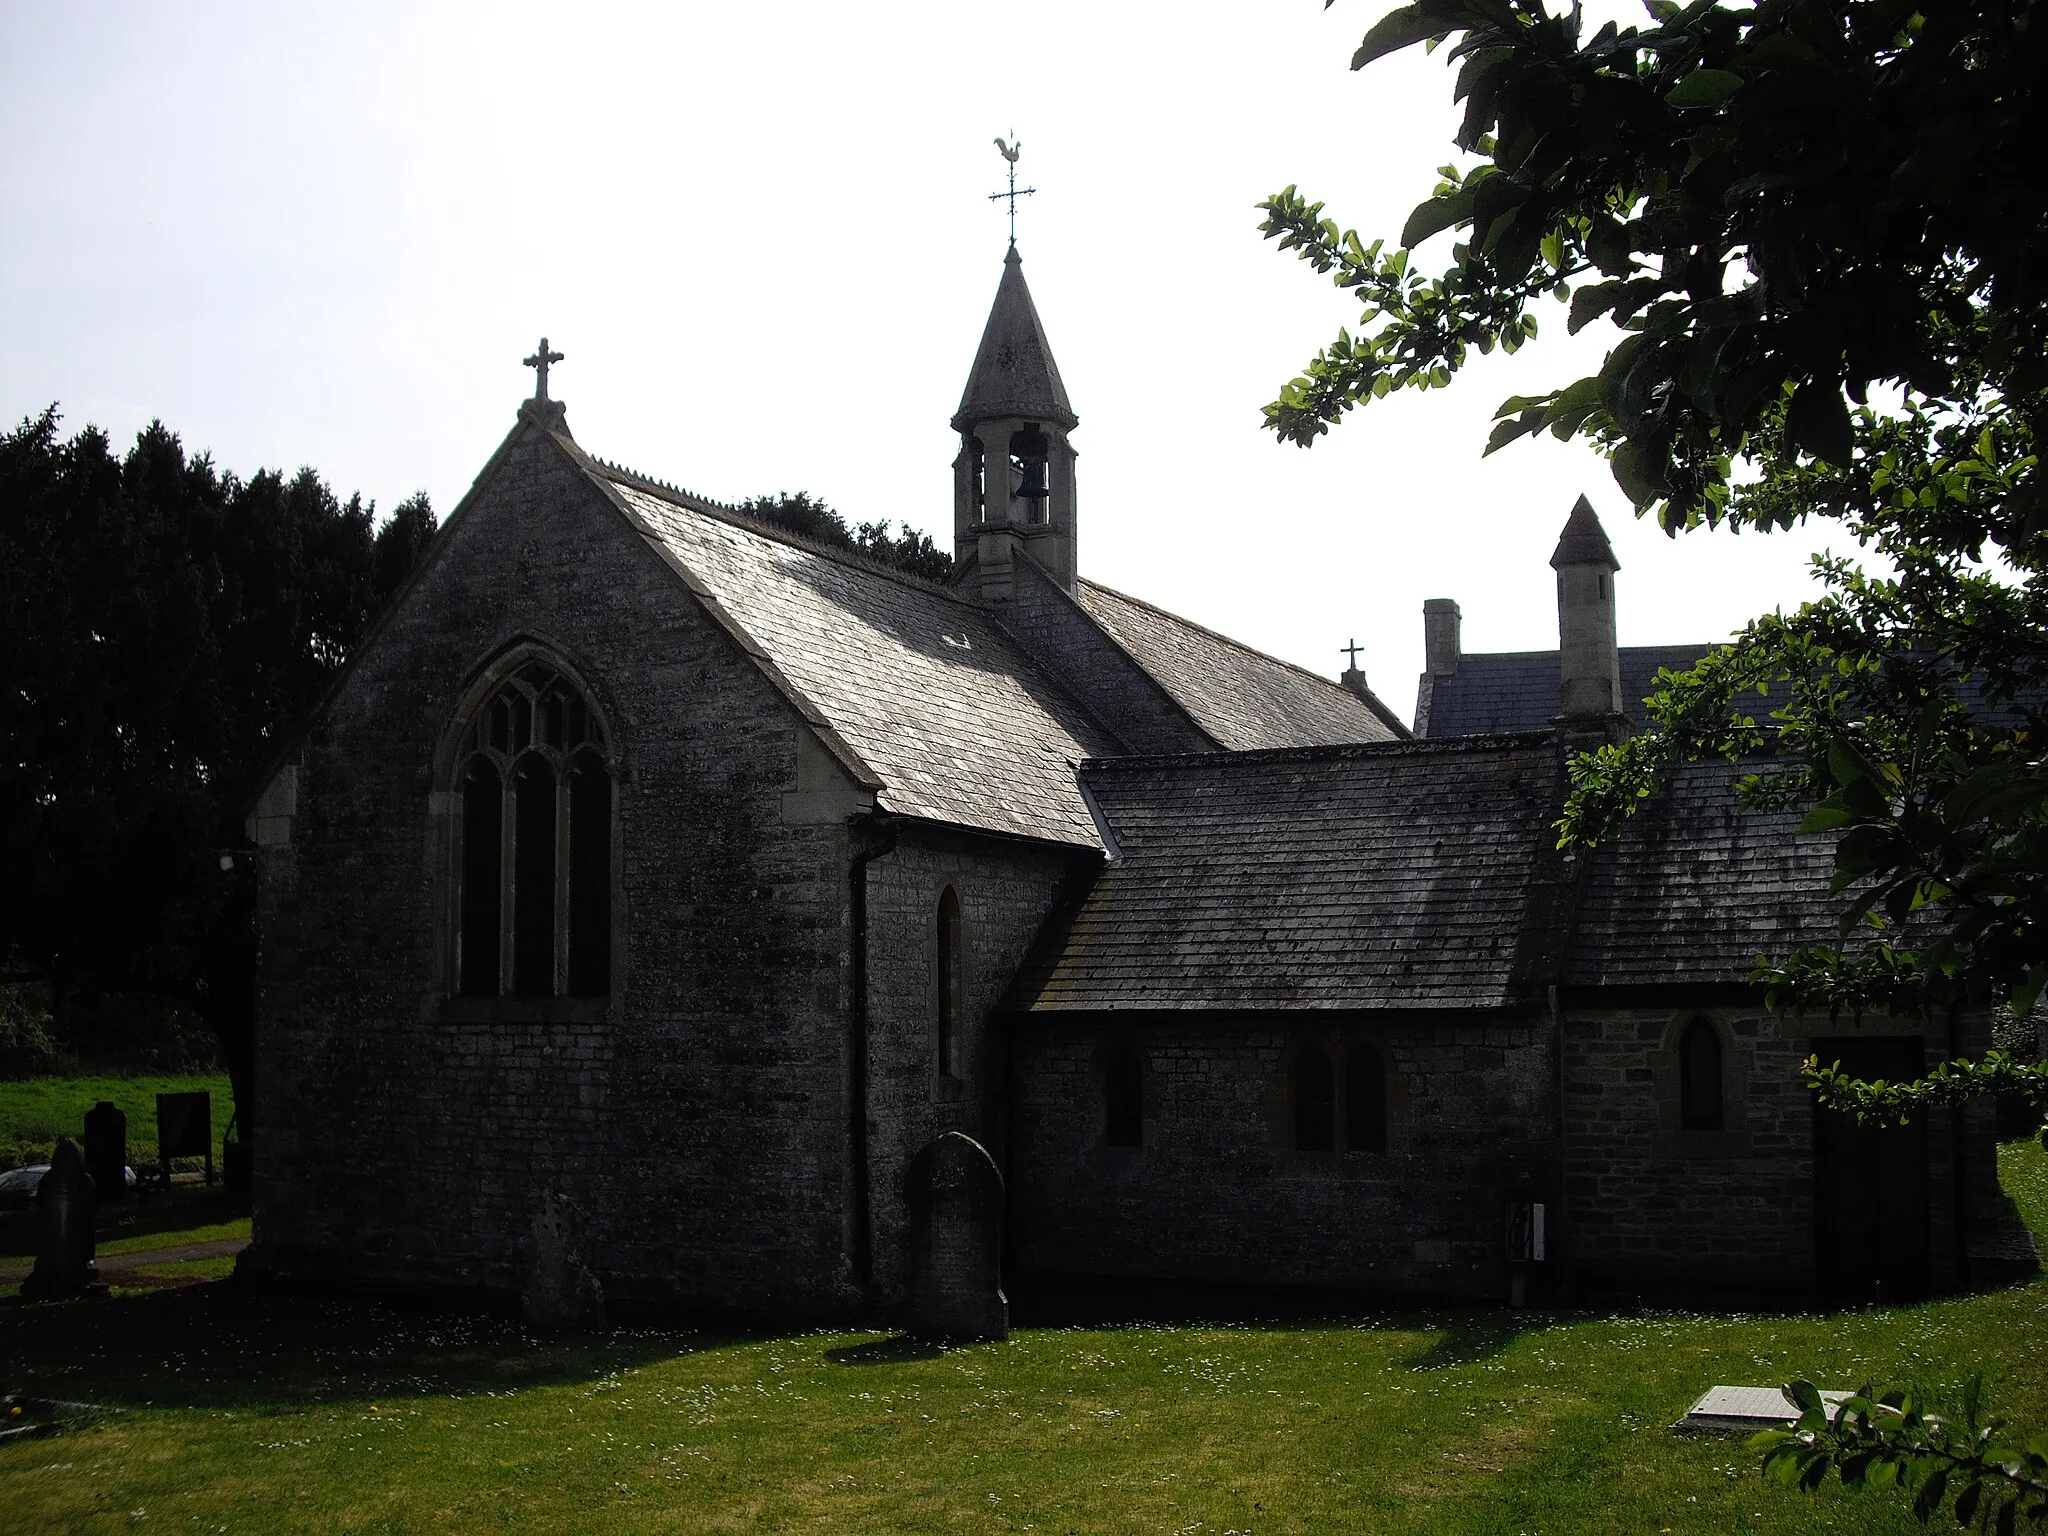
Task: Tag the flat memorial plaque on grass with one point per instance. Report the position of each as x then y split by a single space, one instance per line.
1750 1408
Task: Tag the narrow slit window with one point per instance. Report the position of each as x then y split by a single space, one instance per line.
1315 1102
1123 1097
590 878
1365 1101
947 1025
1699 1078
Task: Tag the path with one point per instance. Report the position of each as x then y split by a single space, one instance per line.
14 1271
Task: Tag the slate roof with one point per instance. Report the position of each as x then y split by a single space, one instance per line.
1014 373
1243 699
1693 889
1422 875
1519 690
935 698
1408 876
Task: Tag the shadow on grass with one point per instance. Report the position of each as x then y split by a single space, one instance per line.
898 1350
216 1345
181 1209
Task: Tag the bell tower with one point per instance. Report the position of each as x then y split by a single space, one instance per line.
1013 483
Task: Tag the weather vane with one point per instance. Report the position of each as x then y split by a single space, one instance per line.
1010 153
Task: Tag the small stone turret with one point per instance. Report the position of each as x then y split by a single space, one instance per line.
1013 483
1589 661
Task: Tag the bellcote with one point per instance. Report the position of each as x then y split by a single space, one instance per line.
1014 477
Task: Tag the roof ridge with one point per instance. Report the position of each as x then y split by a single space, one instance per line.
1419 746
1217 634
741 518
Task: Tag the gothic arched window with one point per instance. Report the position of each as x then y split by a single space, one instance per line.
535 863
1315 1102
948 978
1365 1101
1699 1078
1123 1098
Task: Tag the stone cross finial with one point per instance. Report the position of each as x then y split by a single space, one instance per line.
1352 651
539 364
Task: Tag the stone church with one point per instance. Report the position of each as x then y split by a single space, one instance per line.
654 860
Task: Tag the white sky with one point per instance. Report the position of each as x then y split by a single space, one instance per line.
326 234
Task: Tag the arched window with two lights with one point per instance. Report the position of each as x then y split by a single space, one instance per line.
533 855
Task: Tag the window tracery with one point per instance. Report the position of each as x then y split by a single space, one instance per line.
534 867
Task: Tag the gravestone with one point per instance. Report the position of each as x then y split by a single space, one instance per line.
956 1242
66 1208
1747 1409
106 1149
560 1291
184 1128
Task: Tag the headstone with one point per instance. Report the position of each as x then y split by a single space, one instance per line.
956 1242
66 1208
184 1128
106 1149
560 1292
1746 1408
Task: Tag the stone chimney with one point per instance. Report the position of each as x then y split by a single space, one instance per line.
1589 661
1440 646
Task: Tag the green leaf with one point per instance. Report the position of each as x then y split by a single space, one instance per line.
1439 213
1827 816
1399 29
1818 422
1704 88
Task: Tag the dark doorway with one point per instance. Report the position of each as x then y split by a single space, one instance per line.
1870 1183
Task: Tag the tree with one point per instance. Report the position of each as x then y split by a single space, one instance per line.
164 625
907 550
1807 219
1811 223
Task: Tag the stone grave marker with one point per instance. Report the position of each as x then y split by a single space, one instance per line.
956 1242
66 1208
1746 1408
184 1128
560 1291
106 1149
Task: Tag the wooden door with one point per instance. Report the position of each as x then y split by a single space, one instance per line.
1870 1183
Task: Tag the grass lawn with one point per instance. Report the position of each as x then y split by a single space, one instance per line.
267 1414
35 1111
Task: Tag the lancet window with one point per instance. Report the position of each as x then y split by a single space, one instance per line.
535 836
948 979
1123 1097
1699 1078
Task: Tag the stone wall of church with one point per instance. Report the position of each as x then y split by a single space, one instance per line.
1217 1192
1652 1205
1006 889
698 1118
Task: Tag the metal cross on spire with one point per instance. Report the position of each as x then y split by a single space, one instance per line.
1011 151
539 364
1352 651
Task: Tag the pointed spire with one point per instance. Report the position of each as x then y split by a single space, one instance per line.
1014 374
1584 541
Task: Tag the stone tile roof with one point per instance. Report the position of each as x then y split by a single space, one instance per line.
1416 875
1413 876
929 692
1692 889
1519 690
1014 374
1244 699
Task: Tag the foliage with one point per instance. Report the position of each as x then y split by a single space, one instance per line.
164 624
906 550
1883 1103
1889 1440
1804 218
